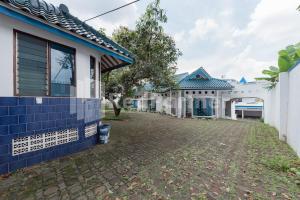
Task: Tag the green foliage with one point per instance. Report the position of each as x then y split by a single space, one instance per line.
287 58
155 51
155 55
102 31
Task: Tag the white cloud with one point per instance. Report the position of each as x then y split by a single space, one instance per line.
220 65
274 21
273 25
226 13
202 28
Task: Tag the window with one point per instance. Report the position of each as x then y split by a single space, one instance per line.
200 92
194 92
186 92
31 66
62 71
213 92
205 92
92 76
43 68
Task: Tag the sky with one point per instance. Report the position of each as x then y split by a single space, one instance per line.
229 38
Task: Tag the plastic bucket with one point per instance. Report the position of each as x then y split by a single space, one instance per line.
104 133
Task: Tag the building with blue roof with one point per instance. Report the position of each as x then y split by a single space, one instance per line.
196 95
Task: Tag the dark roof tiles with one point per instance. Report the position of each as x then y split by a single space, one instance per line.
65 20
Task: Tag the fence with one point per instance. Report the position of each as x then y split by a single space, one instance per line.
282 107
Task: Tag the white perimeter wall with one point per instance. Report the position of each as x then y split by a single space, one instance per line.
293 128
7 25
282 108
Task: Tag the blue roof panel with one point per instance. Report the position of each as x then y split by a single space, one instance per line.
201 80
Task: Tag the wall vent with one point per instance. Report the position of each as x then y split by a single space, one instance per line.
90 130
37 142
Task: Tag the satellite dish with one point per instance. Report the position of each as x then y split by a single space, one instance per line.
63 8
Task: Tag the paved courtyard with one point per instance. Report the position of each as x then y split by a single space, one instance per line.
158 157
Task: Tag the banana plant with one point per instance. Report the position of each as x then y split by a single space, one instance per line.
287 58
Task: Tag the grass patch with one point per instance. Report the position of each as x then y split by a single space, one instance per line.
110 116
278 163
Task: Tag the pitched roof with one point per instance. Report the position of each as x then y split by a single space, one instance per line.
243 80
201 80
179 77
61 18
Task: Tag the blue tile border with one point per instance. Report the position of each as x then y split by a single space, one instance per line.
21 116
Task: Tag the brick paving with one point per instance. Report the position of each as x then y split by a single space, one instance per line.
154 157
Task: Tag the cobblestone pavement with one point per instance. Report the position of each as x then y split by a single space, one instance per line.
158 157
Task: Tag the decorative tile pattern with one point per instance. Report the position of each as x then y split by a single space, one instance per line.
90 130
32 143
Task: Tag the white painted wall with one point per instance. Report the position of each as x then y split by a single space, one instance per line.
7 25
293 127
282 108
272 107
255 89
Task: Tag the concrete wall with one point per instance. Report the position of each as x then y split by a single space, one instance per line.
252 89
293 117
6 56
282 108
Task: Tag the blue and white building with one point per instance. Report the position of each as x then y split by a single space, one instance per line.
197 95
51 64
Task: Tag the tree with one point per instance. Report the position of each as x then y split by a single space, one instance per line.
287 58
155 54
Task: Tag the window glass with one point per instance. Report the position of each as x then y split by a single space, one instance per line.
92 76
31 66
63 81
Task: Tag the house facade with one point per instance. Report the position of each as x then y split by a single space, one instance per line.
51 64
198 96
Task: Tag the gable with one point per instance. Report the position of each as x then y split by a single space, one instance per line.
199 74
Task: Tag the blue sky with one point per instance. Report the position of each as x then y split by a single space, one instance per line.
229 38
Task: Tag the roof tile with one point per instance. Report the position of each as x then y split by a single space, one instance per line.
54 15
206 82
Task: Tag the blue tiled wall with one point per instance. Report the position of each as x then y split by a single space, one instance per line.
22 116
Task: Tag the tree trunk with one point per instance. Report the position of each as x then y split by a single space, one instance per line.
117 110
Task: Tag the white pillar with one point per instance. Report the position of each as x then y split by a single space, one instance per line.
243 114
179 104
217 105
283 108
170 104
142 106
233 115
